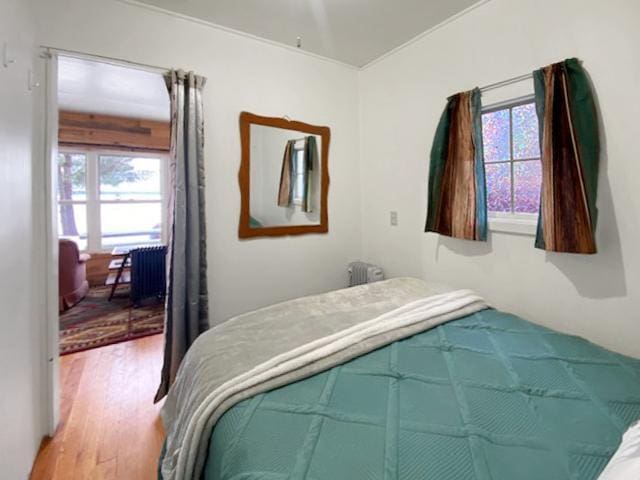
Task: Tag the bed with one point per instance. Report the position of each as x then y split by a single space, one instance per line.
453 390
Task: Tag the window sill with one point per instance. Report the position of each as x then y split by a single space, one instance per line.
515 225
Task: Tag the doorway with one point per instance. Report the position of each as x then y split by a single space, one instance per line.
108 138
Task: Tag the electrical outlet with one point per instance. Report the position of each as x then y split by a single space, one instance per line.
393 217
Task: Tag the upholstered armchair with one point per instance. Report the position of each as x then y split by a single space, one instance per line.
72 274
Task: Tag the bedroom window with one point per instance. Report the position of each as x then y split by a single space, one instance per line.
512 162
299 176
109 199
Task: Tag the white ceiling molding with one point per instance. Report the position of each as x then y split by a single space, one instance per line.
425 33
233 31
358 33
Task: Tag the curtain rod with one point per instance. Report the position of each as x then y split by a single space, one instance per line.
120 62
508 81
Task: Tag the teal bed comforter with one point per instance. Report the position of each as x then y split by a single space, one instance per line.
488 396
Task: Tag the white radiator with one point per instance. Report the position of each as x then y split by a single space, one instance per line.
361 272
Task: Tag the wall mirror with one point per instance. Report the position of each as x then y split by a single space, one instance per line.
284 177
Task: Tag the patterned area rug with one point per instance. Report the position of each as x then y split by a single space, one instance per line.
95 321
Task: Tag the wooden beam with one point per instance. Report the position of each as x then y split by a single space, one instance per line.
119 133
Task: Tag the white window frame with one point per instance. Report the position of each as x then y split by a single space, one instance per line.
511 222
93 202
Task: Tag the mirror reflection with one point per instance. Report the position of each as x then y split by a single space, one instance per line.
285 174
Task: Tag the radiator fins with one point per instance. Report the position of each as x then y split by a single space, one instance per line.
362 272
148 273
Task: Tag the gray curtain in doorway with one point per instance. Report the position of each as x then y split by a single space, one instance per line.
187 302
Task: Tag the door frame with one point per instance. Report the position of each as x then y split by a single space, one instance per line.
50 239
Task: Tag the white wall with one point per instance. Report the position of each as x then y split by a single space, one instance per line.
243 74
22 337
402 97
393 109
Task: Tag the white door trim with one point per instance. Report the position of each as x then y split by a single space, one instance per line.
51 243
49 240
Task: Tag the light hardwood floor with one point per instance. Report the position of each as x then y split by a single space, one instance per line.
110 428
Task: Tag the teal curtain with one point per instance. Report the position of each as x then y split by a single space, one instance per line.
310 159
570 153
457 204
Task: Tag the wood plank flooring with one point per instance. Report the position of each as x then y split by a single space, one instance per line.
110 428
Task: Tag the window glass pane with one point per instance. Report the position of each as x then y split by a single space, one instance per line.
498 187
298 187
130 223
72 223
527 177
129 178
299 161
72 176
526 143
495 136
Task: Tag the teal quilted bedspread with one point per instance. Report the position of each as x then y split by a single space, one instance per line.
489 396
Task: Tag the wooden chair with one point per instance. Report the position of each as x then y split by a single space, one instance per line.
120 269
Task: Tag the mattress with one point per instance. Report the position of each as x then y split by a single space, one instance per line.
488 396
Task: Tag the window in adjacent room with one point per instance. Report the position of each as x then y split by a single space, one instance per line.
512 161
72 197
109 199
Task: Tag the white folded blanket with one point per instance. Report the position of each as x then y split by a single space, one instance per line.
264 350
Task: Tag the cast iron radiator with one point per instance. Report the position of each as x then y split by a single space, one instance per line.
148 273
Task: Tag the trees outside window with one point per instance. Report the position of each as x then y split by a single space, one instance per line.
110 199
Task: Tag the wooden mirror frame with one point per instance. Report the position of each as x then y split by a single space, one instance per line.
244 177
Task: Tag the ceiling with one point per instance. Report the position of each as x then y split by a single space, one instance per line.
95 87
351 31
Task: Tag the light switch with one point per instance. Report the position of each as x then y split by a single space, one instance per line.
393 217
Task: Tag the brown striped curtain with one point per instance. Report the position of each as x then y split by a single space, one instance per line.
457 205
570 153
285 191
